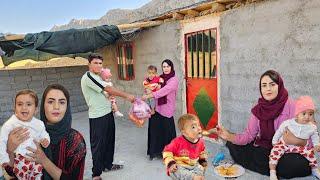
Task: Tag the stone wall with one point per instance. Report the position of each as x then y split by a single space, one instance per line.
37 79
150 47
155 45
283 35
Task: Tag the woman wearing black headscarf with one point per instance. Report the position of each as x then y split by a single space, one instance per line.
161 129
65 156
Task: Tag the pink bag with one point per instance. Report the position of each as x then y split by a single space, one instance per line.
139 112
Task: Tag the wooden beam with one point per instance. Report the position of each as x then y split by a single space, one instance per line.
218 7
253 1
192 12
226 1
13 37
168 20
205 12
237 5
204 6
139 25
177 16
230 6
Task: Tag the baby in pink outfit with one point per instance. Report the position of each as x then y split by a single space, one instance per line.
106 77
303 127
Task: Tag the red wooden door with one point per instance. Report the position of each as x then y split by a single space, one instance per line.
201 76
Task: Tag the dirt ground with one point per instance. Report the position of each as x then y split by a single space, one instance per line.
131 147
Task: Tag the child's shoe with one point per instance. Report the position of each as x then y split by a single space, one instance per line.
118 114
316 172
273 175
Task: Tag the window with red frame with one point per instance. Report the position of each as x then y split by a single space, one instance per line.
201 54
125 61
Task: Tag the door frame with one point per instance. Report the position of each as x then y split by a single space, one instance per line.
186 68
211 21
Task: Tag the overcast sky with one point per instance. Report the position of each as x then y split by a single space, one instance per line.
32 16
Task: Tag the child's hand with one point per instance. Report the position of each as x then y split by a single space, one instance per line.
316 148
146 96
161 80
150 87
204 165
44 142
111 98
7 171
3 165
173 168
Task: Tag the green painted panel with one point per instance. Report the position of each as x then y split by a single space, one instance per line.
204 106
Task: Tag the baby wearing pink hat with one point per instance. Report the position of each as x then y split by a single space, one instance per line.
106 77
303 127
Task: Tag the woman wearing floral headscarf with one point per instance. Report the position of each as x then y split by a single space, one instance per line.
161 129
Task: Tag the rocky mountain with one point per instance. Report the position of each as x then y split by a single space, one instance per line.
121 16
2 34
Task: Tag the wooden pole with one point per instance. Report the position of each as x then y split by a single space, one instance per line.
139 25
13 37
192 12
217 7
226 1
177 16
121 28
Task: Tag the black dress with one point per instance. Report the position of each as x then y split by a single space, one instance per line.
161 130
69 155
256 159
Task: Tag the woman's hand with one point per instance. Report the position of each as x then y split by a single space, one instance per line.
291 139
36 155
225 134
16 137
146 96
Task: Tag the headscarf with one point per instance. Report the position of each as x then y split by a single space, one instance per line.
59 130
166 77
268 111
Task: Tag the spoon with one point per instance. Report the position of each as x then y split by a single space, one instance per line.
208 132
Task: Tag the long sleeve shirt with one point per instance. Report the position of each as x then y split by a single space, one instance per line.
169 90
302 131
253 128
184 153
36 129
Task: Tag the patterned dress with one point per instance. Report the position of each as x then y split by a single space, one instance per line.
70 155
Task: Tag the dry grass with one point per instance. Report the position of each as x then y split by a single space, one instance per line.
55 62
